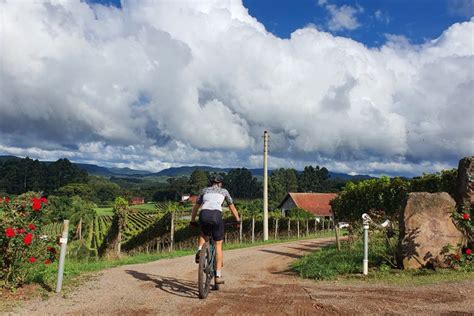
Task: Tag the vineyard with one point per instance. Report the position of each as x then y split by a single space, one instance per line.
165 226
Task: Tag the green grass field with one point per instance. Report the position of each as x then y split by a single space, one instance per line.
103 211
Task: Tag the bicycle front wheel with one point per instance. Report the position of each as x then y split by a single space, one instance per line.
204 271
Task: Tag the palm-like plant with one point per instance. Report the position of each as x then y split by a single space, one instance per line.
276 215
254 211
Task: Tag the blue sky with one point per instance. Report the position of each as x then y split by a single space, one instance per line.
416 20
368 87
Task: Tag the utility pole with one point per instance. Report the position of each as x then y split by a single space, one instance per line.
265 185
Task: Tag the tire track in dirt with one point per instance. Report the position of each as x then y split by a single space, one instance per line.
258 281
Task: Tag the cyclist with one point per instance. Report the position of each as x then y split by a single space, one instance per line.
210 218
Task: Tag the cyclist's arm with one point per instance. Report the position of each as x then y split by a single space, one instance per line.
195 210
234 212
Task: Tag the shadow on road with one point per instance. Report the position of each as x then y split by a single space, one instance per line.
291 255
183 288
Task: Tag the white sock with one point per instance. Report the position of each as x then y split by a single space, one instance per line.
199 248
219 273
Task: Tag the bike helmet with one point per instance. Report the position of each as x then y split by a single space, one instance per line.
217 178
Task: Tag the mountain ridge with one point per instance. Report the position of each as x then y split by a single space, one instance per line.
97 170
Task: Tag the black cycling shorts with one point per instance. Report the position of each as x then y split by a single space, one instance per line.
212 224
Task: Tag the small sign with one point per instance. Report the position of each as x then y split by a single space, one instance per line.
63 240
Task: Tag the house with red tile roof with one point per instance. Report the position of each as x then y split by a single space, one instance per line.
136 200
314 203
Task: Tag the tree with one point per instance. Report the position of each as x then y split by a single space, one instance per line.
198 180
276 215
178 186
62 172
121 211
252 209
82 215
298 214
241 183
113 241
76 189
281 182
103 191
313 179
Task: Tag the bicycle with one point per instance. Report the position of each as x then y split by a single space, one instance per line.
207 266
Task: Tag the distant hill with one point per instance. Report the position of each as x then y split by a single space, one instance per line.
6 157
187 170
177 171
128 171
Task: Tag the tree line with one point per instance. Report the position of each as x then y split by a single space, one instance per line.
385 197
65 179
22 175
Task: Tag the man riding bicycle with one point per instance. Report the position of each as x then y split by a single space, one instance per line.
210 218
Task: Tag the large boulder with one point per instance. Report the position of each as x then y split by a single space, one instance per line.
465 183
426 227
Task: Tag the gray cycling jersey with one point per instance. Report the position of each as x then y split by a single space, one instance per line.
212 198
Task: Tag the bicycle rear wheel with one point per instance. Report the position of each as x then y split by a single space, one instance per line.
204 271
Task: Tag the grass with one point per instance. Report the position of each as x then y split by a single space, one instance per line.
146 207
104 211
346 265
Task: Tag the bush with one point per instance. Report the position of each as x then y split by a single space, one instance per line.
22 246
329 263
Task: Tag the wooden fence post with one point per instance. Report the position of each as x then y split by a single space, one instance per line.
241 228
172 232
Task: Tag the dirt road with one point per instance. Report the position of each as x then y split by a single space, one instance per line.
257 282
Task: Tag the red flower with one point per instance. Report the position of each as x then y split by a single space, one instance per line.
9 232
1 200
457 256
7 200
32 226
51 249
468 251
47 261
28 239
44 200
20 230
32 259
465 216
36 204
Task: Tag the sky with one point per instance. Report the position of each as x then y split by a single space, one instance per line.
361 87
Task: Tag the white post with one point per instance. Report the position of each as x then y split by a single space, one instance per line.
265 185
365 220
62 256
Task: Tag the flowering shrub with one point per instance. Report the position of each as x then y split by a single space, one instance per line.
464 222
462 256
22 246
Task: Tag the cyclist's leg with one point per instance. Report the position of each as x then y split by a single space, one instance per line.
219 255
218 235
202 240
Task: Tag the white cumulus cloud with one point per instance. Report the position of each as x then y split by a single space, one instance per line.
162 83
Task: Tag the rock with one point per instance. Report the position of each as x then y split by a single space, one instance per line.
465 183
426 227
